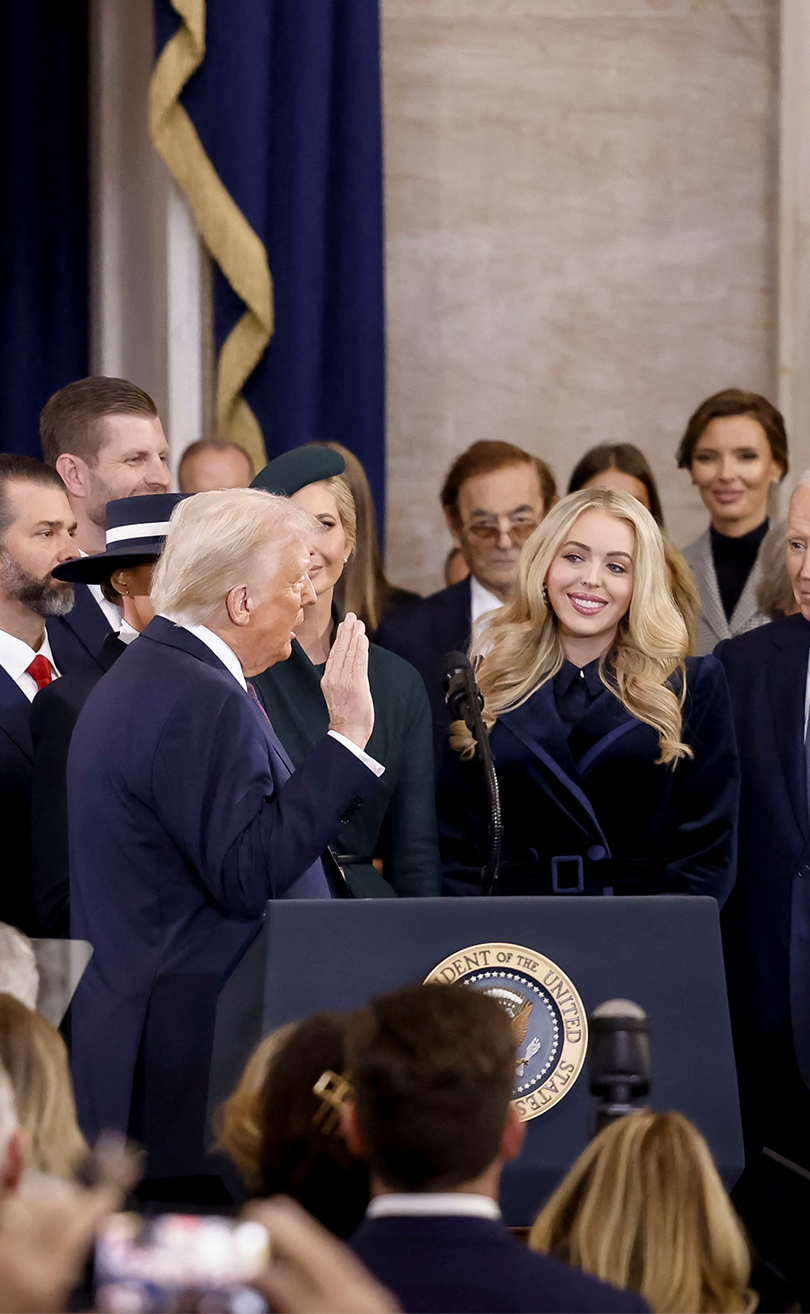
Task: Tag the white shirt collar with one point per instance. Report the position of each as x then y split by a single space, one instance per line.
16 656
481 600
219 648
127 632
433 1204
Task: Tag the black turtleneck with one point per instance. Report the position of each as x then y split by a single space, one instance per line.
733 562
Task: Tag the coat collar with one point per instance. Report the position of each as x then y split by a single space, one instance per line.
538 727
786 677
702 562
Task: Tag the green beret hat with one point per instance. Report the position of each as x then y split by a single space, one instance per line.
294 470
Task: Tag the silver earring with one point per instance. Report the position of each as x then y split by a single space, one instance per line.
544 593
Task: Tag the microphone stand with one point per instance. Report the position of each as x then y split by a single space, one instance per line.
465 701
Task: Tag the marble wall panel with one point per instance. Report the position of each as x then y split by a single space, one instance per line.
581 230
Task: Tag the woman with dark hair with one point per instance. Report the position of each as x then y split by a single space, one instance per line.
621 465
735 448
286 1139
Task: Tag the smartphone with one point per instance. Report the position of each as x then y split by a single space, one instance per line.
179 1264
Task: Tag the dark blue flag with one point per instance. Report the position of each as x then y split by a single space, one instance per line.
268 114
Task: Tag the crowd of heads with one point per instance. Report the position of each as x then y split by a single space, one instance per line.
413 1094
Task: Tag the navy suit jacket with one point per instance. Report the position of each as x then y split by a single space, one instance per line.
767 921
185 817
460 1265
424 632
16 770
77 639
54 713
630 825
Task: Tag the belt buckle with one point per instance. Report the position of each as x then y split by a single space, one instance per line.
556 864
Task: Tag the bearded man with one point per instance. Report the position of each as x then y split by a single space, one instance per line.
37 532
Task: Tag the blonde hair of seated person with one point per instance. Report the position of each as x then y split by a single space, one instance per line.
238 1120
35 1057
643 1208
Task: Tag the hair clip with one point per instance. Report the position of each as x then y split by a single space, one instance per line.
333 1091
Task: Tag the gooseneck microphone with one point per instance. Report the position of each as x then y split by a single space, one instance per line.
465 703
618 1059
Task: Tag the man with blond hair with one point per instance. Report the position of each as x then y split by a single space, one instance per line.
185 815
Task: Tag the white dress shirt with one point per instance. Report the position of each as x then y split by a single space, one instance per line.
481 600
229 658
16 657
433 1204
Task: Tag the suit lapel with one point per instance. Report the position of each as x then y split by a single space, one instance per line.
452 621
708 588
11 695
787 683
87 620
15 714
538 727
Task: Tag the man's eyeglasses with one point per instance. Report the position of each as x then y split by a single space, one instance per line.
518 532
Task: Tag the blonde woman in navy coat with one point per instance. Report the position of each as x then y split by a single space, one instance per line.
615 753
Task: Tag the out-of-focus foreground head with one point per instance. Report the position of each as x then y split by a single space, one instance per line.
236 561
19 974
34 1056
433 1069
798 544
211 463
285 1138
12 1139
643 1208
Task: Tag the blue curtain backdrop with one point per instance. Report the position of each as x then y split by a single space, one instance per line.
43 210
286 102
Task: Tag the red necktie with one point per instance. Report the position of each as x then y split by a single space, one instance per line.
40 669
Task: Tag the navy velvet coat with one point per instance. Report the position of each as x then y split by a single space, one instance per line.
626 824
184 818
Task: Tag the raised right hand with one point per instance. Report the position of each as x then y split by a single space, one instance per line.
345 683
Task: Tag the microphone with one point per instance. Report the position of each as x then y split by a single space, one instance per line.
465 703
618 1059
461 691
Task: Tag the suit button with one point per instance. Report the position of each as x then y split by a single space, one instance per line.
596 853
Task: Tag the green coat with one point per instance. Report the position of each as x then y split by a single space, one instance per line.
399 823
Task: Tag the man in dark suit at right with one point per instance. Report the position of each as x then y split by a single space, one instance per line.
433 1068
105 440
767 918
494 497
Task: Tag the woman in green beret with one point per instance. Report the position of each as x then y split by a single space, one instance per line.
389 848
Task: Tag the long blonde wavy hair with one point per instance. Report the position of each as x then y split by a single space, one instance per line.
519 649
643 1208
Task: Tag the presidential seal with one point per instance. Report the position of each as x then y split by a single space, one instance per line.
549 1022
